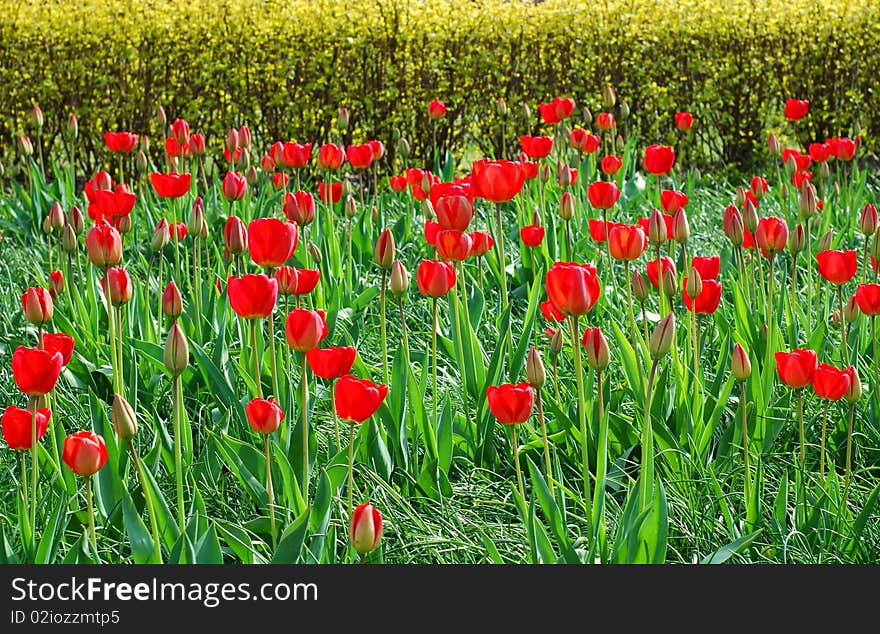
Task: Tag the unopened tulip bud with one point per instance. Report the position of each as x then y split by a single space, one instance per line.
68 239
342 119
25 145
851 310
621 144
825 240
740 365
399 279
669 286
656 228
609 99
77 221
141 162
501 106
72 129
791 164
227 257
740 197
196 217
123 418
47 225
835 318
624 110
37 305
773 145
244 138
544 173
366 528
232 140
564 176
556 342
681 230
765 331
566 206
535 373
750 216
374 213
694 284
797 240
824 170
144 143
868 220
36 117
56 216
350 206
314 253
251 175
383 252
161 119
526 111
587 115
639 286
125 224
854 393
172 302
403 148
161 235
662 337
807 202
176 355
733 226
598 355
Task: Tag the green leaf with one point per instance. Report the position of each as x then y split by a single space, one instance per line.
290 544
138 536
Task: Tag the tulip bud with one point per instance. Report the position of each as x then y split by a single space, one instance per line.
596 346
733 226
176 355
807 202
383 253
38 306
773 145
868 220
172 302
669 285
824 170
399 279
374 213
196 217
526 111
232 140
740 197
366 528
161 235
587 115
750 216
76 220
342 119
566 206
681 231
47 225
662 337
797 240
835 318
314 253
656 228
825 240
56 283
36 117
556 342
123 418
144 143
56 216
161 119
639 286
564 176
851 310
125 224
501 106
694 284
350 207
117 286
544 173
621 144
535 373
25 145
251 175
403 148
72 129
624 110
740 365
609 99
68 239
854 393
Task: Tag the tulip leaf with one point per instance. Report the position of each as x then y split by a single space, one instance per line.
290 544
139 538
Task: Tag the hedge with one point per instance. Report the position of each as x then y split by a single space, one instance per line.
284 67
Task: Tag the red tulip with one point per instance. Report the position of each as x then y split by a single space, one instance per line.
596 346
177 231
196 144
304 329
603 194
264 415
550 312
111 205
659 159
287 277
801 161
796 109
655 275
452 245
120 142
172 302
59 342
330 157
397 183
36 371
818 152
180 130
707 267
235 235
481 243
331 363
279 180
511 404
838 267
56 284
548 113
707 301
564 107
536 147
772 235
271 242
299 207
414 175
532 235
830 382
497 181
627 242
117 286
672 200
435 278
174 149
868 299
454 212
366 528
796 368
234 186
572 288
611 164
578 139
171 185
842 149
296 155
378 149
684 121
84 453
757 188
330 194
357 399
306 280
438 190
436 109
359 156
605 121
599 230
36 302
431 230
252 296
17 423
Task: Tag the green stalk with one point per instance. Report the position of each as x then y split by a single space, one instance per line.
161 291
802 451
501 264
305 426
34 465
120 389
547 462
434 357
25 495
272 355
178 460
876 357
867 259
91 510
808 250
849 444
822 442
459 342
335 415
515 449
647 442
629 307
197 286
350 463
745 439
582 413
842 323
148 500
403 327
256 358
269 490
382 325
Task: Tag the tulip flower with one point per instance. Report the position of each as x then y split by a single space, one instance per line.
838 267
684 121
868 300
536 147
234 186
359 156
235 235
299 207
436 109
603 194
659 159
672 200
365 530
330 156
708 266
306 280
104 245
454 212
264 416
170 185
830 384
532 235
296 155
120 142
512 404
705 302
271 242
252 296
330 193
85 453
605 121
16 424
627 242
610 164
117 286
796 370
452 245
796 109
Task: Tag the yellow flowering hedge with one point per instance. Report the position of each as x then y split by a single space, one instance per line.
285 66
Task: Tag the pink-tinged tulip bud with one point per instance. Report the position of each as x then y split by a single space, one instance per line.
234 186
36 117
104 245
180 131
68 239
556 342
662 337
125 224
399 279
176 355
807 202
232 140
366 528
117 285
566 206
251 175
669 285
161 235
47 225
526 111
868 220
740 365
624 110
56 216
161 119
37 305
244 137
773 145
197 144
314 253
609 99
56 283
733 226
123 418
343 119
102 181
854 393
76 220
350 206
172 302
851 310
535 373
797 240
71 131
564 176
657 228
598 355
750 216
235 235
825 240
694 285
141 162
740 197
639 286
681 230
25 145
544 173
501 106
144 143
383 253
196 217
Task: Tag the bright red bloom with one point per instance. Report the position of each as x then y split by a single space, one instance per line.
365 530
305 329
287 278
122 142
299 207
330 194
117 285
843 149
280 180
599 230
796 109
578 138
611 164
605 121
592 144
173 148
772 235
481 242
235 235
357 399
296 155
37 305
830 382
838 267
654 275
330 156
550 312
659 159
757 188
196 143
672 200
548 113
819 152
84 453
454 212
397 183
684 121
359 156
306 280
511 404
497 181
264 415
234 186
252 296
171 185
36 371
59 342
177 231
436 109
452 245
331 363
431 230
707 301
180 130
536 147
799 179
708 267
17 423
435 278
530 170
801 161
627 242
111 205
532 235
572 288
271 242
56 284
564 107
603 194
414 175
868 299
796 368
377 147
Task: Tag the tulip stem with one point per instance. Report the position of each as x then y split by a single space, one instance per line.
842 323
822 441
646 478
350 463
645 323
662 295
555 356
269 490
745 439
849 444
876 386
568 248
273 355
91 511
403 328
582 413
459 340
515 449
770 302
148 500
34 465
802 451
197 286
161 291
111 335
120 388
808 251
25 494
547 462
434 359
382 324
867 262
629 307
256 358
178 450
502 268
304 381
335 415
